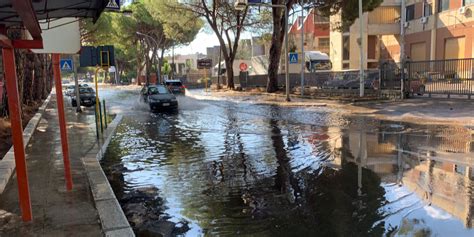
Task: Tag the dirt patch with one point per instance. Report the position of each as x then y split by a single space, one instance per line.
5 127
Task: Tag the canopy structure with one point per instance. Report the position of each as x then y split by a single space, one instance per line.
30 16
30 13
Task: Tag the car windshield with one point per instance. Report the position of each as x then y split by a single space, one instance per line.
86 90
174 83
157 90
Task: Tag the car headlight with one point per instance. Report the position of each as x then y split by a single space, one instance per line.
174 100
153 100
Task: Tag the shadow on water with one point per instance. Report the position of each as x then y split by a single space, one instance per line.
225 168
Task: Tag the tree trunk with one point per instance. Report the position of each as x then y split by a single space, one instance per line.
275 49
160 64
230 73
147 70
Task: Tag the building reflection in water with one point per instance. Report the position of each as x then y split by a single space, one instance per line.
421 168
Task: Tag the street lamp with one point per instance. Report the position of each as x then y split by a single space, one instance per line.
242 4
156 43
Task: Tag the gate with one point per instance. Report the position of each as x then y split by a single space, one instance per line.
445 77
390 76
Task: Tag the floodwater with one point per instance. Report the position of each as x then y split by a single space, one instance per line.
232 168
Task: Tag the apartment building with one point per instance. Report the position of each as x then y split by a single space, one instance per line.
439 29
381 34
316 32
434 30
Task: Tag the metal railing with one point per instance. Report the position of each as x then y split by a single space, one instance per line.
447 77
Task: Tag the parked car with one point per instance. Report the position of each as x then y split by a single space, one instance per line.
175 86
159 97
69 89
87 97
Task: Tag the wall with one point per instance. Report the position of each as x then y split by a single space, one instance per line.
316 79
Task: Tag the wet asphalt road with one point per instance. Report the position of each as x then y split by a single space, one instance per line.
230 167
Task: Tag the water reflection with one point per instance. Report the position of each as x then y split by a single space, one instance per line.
258 170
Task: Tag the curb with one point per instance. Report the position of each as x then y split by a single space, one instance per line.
112 219
7 164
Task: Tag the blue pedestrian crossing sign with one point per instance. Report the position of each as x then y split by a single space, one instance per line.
293 58
66 65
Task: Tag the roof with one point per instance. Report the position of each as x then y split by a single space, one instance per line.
48 10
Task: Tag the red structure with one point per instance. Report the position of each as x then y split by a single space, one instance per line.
25 13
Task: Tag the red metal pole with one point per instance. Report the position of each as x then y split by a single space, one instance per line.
14 109
62 121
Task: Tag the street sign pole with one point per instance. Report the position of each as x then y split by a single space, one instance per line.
76 85
302 49
287 74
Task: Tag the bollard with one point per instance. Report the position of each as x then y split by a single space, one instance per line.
105 115
100 118
96 125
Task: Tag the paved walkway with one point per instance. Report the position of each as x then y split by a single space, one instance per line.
55 211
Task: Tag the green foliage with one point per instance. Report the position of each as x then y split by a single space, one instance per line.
348 9
166 69
154 18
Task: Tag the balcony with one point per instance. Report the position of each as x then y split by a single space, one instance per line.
384 20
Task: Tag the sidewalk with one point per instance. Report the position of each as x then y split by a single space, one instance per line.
55 211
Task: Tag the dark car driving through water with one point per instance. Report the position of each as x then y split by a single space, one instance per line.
87 97
159 97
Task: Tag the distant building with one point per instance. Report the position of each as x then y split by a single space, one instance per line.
185 63
213 54
316 32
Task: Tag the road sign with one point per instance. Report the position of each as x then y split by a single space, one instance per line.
243 67
204 63
113 5
102 56
66 65
293 58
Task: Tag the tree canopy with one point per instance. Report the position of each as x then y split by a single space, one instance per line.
158 27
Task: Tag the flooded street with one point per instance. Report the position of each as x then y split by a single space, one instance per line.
229 167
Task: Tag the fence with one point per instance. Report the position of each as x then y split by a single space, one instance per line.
447 77
315 79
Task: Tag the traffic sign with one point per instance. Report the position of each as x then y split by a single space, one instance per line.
204 63
113 5
243 67
66 65
293 58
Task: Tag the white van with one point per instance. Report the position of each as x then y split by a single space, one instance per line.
316 60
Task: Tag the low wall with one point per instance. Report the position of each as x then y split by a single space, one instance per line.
314 79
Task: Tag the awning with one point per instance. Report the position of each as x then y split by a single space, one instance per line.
30 13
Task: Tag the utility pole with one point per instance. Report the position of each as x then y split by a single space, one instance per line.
303 58
402 48
361 49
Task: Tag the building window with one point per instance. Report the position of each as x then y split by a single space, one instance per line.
428 9
345 66
346 47
323 43
468 2
410 12
443 5
372 46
